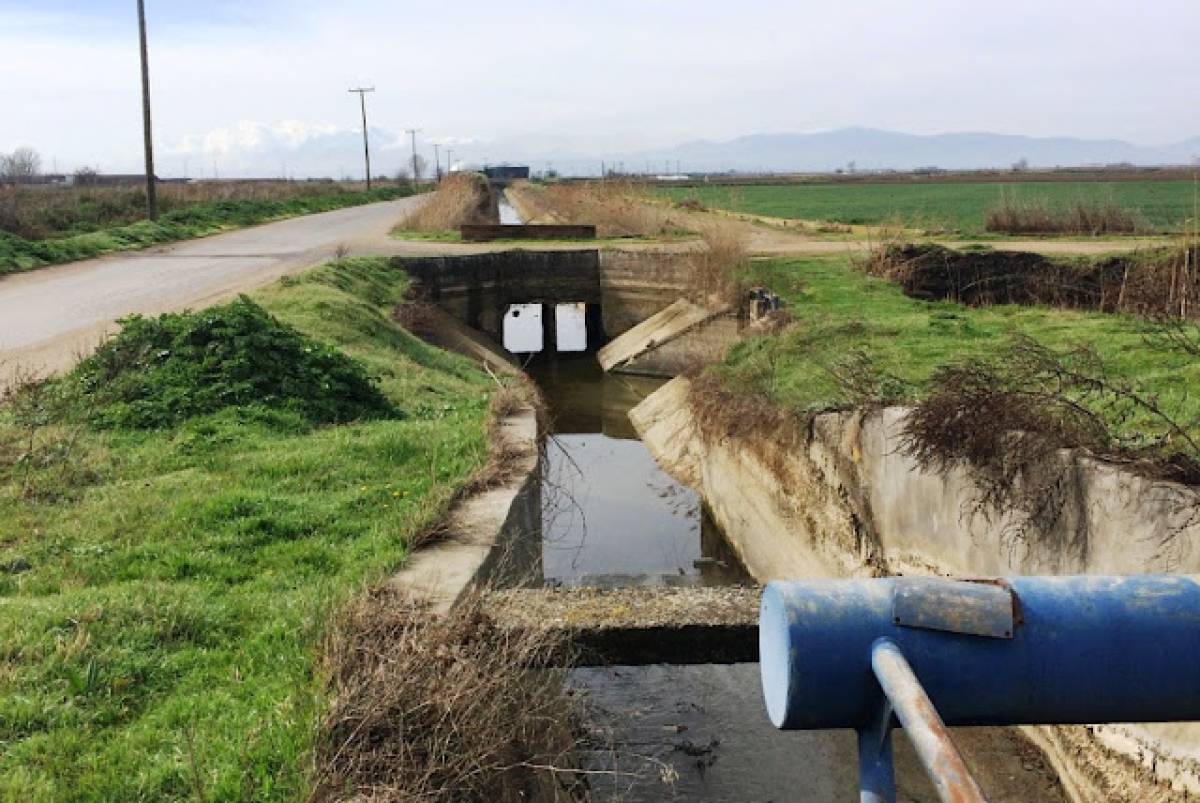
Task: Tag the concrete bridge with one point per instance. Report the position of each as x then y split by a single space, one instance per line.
619 289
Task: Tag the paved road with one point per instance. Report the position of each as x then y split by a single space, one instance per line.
49 317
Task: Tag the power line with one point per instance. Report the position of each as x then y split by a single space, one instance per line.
362 97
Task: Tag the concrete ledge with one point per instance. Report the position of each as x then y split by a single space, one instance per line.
484 528
488 233
634 626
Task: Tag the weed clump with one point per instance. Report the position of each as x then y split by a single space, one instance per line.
1156 283
1089 218
442 708
159 372
717 268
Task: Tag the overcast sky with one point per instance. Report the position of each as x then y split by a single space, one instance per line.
228 74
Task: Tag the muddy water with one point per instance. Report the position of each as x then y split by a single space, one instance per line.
611 517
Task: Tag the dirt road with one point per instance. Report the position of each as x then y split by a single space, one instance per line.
50 317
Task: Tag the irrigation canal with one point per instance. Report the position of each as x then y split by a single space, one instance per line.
613 518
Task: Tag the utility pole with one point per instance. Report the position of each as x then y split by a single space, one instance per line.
362 98
413 133
151 196
449 161
437 161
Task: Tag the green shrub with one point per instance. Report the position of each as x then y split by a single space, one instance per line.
159 372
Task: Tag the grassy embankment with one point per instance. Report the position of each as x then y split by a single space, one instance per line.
959 208
859 339
90 223
163 592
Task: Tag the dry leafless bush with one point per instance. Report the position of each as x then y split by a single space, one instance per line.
1093 218
442 708
751 417
1004 420
461 199
879 257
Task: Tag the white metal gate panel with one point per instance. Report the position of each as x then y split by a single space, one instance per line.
570 325
523 329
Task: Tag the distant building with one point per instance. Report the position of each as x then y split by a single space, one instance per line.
506 172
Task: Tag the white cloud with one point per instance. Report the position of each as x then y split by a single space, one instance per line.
249 136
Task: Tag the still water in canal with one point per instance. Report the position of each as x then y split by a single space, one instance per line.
611 517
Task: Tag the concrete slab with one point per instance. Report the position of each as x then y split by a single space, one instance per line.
637 626
655 331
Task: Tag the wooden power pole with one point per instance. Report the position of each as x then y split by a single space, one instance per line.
412 132
362 97
151 195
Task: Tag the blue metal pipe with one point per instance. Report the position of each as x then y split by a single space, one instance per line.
1028 650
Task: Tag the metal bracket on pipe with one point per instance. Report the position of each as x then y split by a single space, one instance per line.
955 606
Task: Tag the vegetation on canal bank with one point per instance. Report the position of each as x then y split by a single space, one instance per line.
164 592
856 340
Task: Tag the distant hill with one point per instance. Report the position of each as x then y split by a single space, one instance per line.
339 153
872 149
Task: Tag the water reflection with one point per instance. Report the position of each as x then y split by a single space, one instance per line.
610 516
508 213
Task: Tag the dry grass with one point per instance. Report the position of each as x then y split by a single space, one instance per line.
619 210
461 199
442 709
717 268
616 209
1091 218
38 212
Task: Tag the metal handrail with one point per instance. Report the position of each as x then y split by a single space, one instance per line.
923 725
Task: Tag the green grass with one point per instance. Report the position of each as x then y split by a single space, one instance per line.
163 593
841 312
956 207
197 220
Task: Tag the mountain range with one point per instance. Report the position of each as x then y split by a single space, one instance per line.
338 154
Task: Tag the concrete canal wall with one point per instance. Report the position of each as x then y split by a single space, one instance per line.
840 498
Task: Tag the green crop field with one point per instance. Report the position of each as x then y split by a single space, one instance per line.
955 207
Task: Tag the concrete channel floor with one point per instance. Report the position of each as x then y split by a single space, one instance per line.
663 729
700 733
